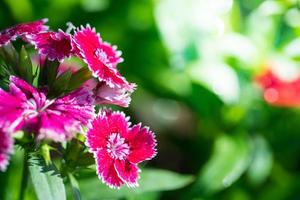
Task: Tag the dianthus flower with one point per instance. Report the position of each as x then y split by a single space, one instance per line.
118 148
104 94
101 57
23 29
26 108
6 148
54 45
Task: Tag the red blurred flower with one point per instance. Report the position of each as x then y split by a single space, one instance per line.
118 148
279 92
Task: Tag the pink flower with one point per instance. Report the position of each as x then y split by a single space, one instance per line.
54 45
104 94
6 148
101 58
24 107
12 33
118 148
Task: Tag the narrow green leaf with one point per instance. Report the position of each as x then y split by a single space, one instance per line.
48 72
10 56
75 187
60 85
51 69
46 180
262 162
79 77
152 180
25 66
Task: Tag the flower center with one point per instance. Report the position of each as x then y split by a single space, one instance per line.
32 109
101 55
117 147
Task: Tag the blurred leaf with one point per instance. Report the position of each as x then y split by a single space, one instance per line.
21 9
9 54
60 85
46 180
151 180
25 66
230 159
203 101
262 162
48 72
75 187
10 180
94 5
79 77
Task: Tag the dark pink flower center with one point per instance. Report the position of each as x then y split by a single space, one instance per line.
117 147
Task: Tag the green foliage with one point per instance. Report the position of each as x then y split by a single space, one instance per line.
152 180
79 77
46 180
194 63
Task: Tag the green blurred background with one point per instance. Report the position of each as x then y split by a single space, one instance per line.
194 62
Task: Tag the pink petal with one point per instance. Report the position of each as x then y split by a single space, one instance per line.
118 122
115 96
57 127
63 118
24 107
100 56
11 108
106 170
97 134
128 172
54 45
103 125
6 148
142 143
28 90
12 33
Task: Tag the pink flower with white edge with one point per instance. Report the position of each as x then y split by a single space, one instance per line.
106 95
6 148
26 108
100 56
23 29
54 45
118 148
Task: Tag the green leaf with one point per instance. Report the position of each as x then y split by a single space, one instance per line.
48 72
75 187
25 66
79 77
262 162
10 56
51 70
46 180
60 85
152 180
231 157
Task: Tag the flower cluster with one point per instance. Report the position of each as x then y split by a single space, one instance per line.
51 101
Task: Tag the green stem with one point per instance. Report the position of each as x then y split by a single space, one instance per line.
24 177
